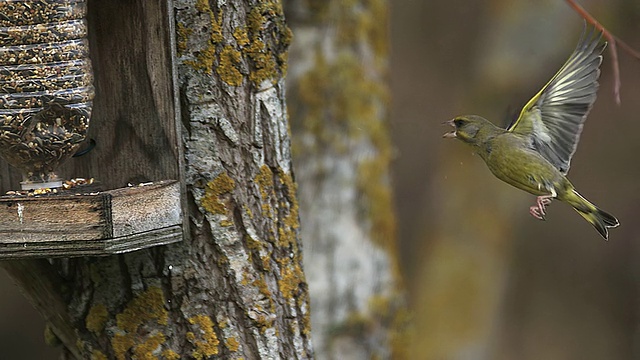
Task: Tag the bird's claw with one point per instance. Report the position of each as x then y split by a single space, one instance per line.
543 201
538 210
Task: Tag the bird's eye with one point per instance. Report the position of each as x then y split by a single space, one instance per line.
458 122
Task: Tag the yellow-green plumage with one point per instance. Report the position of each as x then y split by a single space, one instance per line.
534 153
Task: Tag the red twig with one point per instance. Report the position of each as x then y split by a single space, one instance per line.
613 49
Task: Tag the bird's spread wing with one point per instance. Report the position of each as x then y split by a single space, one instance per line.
553 118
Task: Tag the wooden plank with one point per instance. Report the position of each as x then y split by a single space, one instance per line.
147 239
103 223
136 210
102 247
68 218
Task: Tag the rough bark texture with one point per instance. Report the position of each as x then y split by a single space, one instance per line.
338 102
236 288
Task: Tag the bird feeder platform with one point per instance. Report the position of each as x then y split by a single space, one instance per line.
90 224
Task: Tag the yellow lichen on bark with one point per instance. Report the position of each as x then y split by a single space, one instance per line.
263 62
305 323
96 318
98 355
215 20
226 223
343 89
264 179
266 51
261 284
206 57
269 62
232 344
241 36
287 232
208 344
148 306
263 322
170 355
257 247
145 350
227 69
121 344
215 189
182 38
290 278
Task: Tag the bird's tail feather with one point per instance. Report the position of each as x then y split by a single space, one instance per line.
600 219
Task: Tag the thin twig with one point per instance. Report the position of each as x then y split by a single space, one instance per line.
613 49
616 71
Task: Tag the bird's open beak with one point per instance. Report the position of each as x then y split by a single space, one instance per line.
451 134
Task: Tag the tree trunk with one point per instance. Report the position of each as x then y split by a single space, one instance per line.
234 289
338 102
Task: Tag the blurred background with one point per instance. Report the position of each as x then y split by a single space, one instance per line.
485 279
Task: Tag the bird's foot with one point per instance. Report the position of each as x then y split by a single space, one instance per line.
538 210
544 200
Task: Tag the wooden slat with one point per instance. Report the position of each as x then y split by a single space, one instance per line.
103 223
25 220
137 210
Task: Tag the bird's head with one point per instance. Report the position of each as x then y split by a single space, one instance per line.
467 128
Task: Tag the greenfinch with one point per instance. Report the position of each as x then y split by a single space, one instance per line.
534 152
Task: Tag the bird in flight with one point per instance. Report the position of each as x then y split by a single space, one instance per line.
534 152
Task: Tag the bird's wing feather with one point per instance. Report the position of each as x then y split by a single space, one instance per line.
553 118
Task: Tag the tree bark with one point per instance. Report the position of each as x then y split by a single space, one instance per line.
234 289
338 100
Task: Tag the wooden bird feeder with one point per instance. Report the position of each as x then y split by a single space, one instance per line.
136 127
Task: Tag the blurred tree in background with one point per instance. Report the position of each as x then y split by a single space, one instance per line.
338 102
